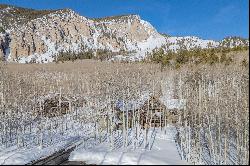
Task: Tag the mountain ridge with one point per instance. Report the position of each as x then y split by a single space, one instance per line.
40 35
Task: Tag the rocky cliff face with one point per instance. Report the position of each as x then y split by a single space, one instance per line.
40 35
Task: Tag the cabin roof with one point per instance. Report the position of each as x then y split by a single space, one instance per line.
141 103
130 105
171 103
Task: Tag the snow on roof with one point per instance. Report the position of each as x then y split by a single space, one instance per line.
132 104
158 114
173 103
169 103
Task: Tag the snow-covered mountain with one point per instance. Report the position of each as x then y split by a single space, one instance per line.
27 34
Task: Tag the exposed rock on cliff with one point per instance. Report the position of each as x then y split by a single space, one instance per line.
31 35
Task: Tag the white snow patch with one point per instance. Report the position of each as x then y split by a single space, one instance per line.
132 105
163 151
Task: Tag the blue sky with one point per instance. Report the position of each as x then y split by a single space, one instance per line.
208 19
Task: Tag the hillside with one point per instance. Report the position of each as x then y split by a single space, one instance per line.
40 35
12 16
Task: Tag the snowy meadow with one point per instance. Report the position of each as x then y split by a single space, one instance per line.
125 113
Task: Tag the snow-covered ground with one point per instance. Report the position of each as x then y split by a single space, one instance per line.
21 156
30 148
161 149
